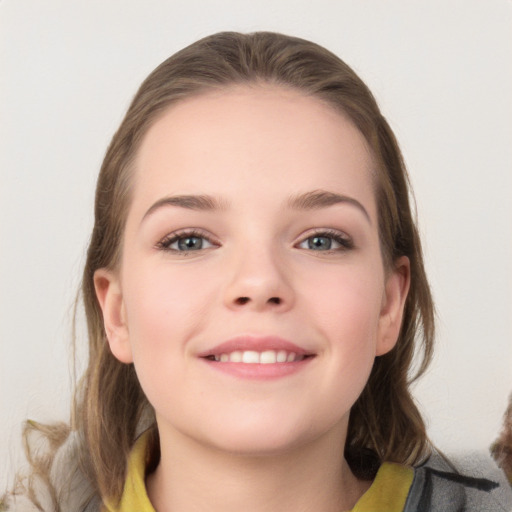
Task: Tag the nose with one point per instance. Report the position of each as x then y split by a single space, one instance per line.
258 281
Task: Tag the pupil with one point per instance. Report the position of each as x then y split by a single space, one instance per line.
322 243
190 243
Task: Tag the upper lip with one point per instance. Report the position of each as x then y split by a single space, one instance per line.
255 343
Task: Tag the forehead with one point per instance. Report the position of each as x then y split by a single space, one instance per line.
263 136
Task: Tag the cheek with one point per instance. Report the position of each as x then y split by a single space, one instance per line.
346 299
163 311
345 306
164 307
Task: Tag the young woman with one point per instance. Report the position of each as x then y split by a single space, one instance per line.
255 293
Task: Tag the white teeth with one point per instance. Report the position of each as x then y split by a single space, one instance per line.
236 357
268 357
254 357
249 356
282 356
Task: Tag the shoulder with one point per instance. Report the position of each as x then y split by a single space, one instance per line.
471 482
63 486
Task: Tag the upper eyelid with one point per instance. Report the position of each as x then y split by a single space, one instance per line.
183 233
340 236
188 231
325 231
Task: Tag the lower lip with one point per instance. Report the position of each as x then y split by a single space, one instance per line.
257 371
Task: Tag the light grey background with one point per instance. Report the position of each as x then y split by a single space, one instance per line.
442 72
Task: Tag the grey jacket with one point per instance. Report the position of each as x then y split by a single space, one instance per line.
473 484
476 484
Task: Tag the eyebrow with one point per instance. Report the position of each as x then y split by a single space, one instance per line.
318 199
314 200
190 202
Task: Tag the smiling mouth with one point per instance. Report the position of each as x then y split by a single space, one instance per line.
256 357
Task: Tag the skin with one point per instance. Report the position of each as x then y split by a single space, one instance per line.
230 443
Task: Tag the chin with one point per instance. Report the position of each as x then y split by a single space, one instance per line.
262 438
259 445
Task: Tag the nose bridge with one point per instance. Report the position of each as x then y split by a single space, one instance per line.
257 277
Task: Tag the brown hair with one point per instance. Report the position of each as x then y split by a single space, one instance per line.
110 405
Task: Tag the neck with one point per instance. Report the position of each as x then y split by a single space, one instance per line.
194 478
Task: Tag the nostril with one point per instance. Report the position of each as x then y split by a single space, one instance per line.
274 300
242 300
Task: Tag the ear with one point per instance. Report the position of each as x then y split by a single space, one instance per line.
110 297
393 303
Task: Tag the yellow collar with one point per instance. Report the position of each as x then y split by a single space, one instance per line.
134 497
387 493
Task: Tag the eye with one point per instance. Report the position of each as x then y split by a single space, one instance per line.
185 241
327 241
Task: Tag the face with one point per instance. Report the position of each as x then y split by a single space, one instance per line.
251 296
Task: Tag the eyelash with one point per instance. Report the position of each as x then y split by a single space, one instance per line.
344 241
166 243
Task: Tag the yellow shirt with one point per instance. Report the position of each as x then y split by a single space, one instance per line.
387 493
